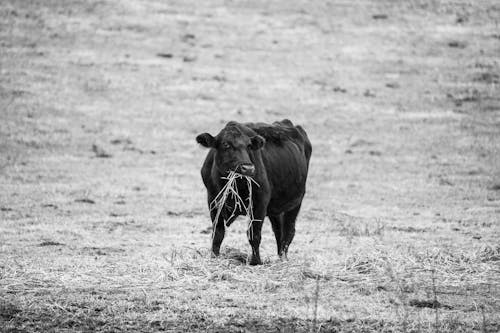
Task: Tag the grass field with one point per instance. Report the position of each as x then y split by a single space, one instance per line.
104 224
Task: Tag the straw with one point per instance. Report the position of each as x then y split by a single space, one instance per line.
230 191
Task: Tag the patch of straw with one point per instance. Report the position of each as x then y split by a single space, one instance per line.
230 191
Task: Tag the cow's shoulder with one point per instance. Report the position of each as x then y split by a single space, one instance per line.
279 131
206 169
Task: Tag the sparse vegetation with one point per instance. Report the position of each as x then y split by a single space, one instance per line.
399 228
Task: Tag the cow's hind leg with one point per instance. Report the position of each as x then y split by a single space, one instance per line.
289 228
277 224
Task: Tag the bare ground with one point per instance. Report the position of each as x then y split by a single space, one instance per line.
103 219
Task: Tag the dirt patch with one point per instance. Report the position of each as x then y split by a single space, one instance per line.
50 243
8 311
428 304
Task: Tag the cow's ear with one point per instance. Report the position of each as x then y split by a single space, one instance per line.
257 142
206 140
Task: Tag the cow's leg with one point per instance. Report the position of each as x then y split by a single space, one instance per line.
218 229
289 228
261 200
254 235
254 231
277 223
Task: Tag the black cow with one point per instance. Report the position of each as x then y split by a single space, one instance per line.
277 157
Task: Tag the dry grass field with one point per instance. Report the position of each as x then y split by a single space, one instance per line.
104 225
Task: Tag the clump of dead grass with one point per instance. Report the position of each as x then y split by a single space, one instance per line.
488 253
230 192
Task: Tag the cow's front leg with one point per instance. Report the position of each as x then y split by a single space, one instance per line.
254 233
218 231
219 228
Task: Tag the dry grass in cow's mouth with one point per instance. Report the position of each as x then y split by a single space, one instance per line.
230 191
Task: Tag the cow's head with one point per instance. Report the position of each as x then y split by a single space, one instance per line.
233 145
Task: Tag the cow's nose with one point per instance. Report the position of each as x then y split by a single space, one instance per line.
247 169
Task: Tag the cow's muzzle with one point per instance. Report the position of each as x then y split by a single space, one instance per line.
246 169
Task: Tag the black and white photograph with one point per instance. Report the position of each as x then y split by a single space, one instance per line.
248 166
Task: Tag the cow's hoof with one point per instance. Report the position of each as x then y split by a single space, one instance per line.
283 257
255 261
214 254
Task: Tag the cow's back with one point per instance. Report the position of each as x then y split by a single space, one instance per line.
286 156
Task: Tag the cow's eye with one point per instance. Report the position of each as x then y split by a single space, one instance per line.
225 145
